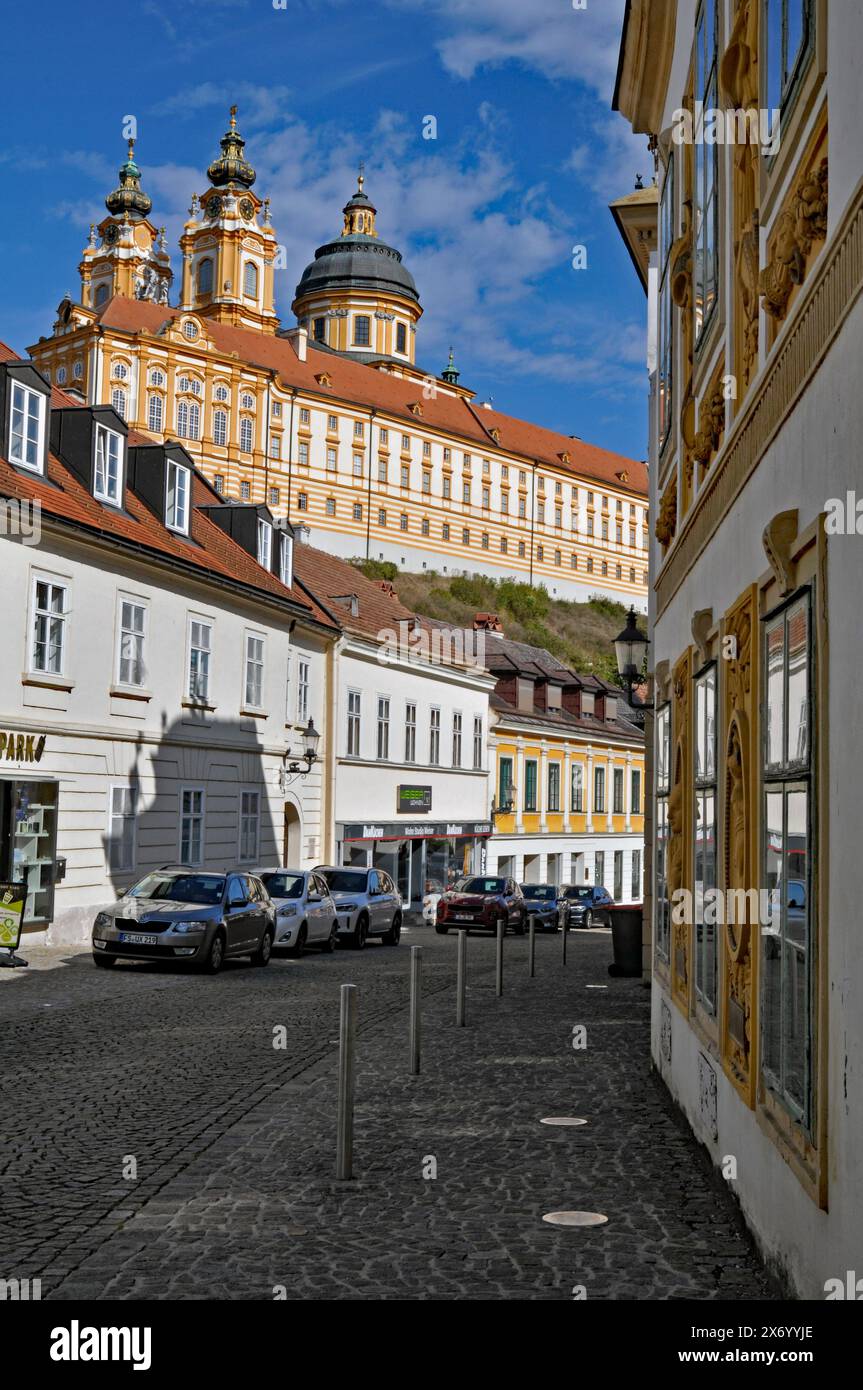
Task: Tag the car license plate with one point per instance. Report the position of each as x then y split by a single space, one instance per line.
463 916
138 939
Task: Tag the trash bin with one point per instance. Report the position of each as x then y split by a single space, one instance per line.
626 939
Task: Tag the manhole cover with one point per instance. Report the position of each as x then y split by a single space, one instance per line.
575 1218
562 1120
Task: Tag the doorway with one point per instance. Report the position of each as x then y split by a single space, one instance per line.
293 838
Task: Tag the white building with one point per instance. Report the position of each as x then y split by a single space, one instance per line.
411 765
160 672
757 570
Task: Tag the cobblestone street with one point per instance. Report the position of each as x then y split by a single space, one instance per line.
234 1139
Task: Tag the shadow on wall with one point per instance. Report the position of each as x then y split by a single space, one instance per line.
203 793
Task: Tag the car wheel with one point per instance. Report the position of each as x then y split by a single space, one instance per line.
519 926
358 940
330 944
587 921
103 962
300 944
264 951
215 957
441 930
392 937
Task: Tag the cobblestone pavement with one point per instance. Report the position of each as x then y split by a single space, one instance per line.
234 1139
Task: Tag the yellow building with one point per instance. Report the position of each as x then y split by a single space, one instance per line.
331 423
568 762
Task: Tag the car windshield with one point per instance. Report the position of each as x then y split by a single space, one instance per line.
479 885
204 889
582 893
284 885
346 880
536 890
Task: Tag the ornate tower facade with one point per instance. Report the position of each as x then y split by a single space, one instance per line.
125 254
357 296
228 245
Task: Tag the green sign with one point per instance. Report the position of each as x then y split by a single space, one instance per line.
11 914
412 800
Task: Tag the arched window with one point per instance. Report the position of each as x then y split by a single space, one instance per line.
250 280
246 435
157 378
155 413
205 276
220 427
221 393
120 371
101 294
188 419
61 376
247 402
118 401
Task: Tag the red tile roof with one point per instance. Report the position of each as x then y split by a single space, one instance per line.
209 549
358 384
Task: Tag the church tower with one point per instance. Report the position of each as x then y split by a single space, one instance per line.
357 296
229 247
126 254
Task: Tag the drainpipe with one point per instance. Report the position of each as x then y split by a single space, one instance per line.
291 450
329 809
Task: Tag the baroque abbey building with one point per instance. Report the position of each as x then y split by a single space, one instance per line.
331 424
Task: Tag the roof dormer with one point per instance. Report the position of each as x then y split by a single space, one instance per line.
251 525
161 475
91 442
25 400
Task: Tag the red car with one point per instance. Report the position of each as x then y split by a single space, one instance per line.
482 902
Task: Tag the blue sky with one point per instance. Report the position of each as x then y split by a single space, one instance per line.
528 154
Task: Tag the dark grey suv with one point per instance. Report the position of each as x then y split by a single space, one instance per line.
188 915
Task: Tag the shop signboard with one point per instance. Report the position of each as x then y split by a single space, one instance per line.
11 914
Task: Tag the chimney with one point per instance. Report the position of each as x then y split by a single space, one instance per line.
387 587
488 622
299 340
302 534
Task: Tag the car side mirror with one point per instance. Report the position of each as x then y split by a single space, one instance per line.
236 902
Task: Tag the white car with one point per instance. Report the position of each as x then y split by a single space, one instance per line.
305 912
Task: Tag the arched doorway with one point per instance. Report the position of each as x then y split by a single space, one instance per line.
293 839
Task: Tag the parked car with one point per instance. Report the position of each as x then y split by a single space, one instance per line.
367 904
542 901
482 902
305 912
588 905
189 915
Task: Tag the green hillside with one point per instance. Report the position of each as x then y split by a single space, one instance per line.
581 635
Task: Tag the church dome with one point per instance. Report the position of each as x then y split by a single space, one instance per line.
129 197
358 260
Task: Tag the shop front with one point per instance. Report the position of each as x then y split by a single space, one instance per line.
425 858
28 840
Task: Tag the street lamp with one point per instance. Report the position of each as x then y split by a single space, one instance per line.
630 648
311 739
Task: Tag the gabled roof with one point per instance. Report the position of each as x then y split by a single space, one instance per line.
356 383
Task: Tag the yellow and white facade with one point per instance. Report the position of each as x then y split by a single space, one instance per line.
756 295
350 439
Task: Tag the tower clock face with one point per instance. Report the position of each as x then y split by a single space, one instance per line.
112 232
247 209
214 207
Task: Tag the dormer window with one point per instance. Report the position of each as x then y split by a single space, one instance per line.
177 499
286 560
108 477
27 428
265 543
190 329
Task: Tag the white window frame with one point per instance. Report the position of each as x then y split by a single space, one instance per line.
354 726
257 659
264 543
194 817
105 437
457 730
55 582
478 742
220 427
303 674
24 409
383 729
180 475
125 632
410 731
434 736
202 675
111 839
246 818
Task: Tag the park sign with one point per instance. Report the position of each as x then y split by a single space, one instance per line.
11 914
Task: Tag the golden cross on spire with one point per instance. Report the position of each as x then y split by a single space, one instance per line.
131 150
233 118
362 175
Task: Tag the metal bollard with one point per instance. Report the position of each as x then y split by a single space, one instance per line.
531 946
461 979
347 1069
416 1007
498 975
564 913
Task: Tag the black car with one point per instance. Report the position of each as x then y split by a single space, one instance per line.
480 901
188 915
588 906
542 901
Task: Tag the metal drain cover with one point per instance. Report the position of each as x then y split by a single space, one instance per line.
562 1120
575 1218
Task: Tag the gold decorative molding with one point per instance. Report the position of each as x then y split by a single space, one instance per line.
666 522
738 995
711 421
819 312
738 76
778 538
680 829
800 224
702 622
